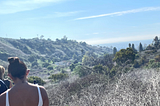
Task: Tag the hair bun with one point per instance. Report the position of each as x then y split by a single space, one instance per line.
13 60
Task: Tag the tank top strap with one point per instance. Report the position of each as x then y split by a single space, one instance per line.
40 97
7 99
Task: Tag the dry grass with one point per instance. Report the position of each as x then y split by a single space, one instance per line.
137 88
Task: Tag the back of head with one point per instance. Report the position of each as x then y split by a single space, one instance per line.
16 67
2 69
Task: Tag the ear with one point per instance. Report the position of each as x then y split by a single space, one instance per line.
27 72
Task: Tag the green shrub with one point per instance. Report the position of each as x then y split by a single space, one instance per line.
63 71
35 79
154 65
82 70
136 64
50 67
113 71
136 56
151 61
143 60
126 69
45 64
124 55
157 58
72 66
34 63
99 69
58 76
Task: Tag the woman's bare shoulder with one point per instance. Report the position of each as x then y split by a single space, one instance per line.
35 85
43 93
3 98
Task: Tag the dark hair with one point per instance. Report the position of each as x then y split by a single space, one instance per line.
16 67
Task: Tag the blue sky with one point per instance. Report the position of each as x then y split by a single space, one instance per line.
96 22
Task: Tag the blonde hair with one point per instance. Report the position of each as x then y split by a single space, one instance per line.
2 70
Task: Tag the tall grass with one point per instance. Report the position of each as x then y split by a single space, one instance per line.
137 88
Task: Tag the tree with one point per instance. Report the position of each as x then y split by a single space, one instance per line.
129 45
41 37
65 37
156 42
74 57
134 48
85 59
114 50
82 70
82 51
124 55
156 39
140 47
98 69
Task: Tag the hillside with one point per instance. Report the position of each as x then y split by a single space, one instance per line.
75 73
133 80
38 50
138 88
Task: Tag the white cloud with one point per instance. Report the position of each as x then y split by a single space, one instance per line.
118 39
10 6
122 12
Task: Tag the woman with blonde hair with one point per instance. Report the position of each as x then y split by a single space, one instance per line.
22 93
6 81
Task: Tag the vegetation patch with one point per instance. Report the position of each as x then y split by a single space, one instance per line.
37 80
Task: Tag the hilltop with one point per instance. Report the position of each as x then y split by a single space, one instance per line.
37 51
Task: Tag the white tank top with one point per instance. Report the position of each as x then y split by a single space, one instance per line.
39 93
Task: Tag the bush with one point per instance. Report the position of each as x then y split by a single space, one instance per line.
99 69
136 64
157 58
151 51
154 65
151 61
50 67
45 64
34 63
136 56
72 66
35 79
143 60
63 71
86 81
58 77
82 70
113 71
124 55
